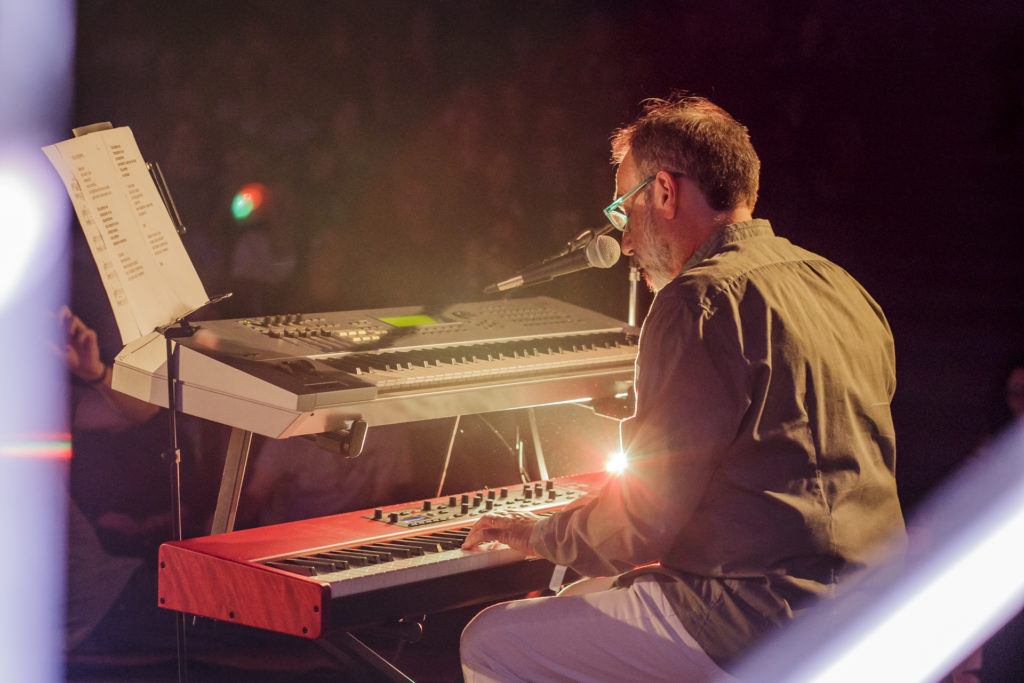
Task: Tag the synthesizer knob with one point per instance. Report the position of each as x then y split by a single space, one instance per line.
451 501
393 517
465 508
489 504
504 492
527 493
490 494
464 499
378 513
549 484
426 506
552 494
477 499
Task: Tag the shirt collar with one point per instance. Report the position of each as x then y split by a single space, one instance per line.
756 227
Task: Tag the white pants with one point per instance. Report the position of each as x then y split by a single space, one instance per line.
588 632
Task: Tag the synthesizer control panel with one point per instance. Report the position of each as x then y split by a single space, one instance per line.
468 506
388 330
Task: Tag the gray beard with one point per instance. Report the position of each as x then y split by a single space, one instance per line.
657 255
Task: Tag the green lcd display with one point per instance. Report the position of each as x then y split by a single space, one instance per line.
409 320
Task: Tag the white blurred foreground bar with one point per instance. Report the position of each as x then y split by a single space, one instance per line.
915 620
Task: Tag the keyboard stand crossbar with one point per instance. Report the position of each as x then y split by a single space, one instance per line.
348 646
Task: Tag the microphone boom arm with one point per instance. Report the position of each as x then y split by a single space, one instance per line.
600 251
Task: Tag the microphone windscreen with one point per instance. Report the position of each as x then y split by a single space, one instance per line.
603 252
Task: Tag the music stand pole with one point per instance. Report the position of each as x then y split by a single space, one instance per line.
178 330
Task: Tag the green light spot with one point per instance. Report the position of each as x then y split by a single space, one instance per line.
242 205
410 320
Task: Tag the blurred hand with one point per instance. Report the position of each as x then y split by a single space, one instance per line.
511 527
81 351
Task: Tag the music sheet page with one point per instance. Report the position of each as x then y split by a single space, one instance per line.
148 276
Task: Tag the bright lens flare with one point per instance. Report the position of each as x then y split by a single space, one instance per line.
248 200
38 446
616 463
25 225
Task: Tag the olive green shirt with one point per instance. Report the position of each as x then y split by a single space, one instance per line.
761 454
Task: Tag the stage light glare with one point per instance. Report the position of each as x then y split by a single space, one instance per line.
241 206
248 200
939 618
26 223
36 77
616 463
914 618
55 446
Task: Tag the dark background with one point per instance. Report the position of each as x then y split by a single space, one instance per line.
417 151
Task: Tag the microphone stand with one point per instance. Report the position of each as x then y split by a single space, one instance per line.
633 300
634 291
611 408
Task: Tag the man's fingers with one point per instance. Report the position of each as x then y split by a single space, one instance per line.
64 317
83 338
69 322
475 535
62 352
484 530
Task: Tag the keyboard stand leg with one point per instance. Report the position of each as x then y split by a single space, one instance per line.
231 481
348 646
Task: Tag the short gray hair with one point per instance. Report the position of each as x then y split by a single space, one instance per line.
693 136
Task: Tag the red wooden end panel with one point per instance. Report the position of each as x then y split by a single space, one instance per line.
242 593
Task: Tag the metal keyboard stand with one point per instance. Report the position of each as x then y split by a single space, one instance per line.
230 492
347 647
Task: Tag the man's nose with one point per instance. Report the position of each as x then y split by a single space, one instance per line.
627 243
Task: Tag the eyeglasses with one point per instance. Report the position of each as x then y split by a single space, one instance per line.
614 212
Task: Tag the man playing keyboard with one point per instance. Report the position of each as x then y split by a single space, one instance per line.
761 453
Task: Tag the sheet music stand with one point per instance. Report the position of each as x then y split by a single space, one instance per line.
178 329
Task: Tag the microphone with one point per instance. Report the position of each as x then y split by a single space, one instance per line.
601 252
584 238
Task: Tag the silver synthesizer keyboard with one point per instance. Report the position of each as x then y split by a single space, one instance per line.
286 375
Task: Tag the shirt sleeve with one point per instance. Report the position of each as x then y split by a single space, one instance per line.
691 389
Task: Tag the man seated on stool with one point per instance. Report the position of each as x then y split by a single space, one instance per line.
761 452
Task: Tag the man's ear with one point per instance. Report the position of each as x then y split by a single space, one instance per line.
666 195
